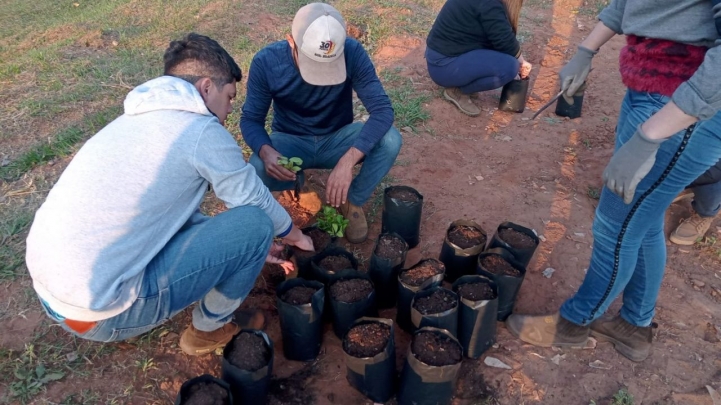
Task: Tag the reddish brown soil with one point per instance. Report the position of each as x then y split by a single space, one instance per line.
439 301
466 236
390 247
206 394
352 290
518 240
476 291
334 264
403 195
496 265
420 273
298 295
366 340
435 349
249 352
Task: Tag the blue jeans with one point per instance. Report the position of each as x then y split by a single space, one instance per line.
213 260
324 152
474 71
629 249
707 199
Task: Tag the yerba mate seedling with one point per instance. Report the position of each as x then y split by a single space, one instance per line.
332 222
292 164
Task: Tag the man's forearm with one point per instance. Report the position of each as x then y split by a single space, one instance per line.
350 158
599 36
668 121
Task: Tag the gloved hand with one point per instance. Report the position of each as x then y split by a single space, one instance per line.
630 164
574 74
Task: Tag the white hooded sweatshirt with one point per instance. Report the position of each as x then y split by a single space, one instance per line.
128 190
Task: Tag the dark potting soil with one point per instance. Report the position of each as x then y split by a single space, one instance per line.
518 240
435 349
403 195
367 340
351 290
249 352
299 295
390 247
465 236
438 301
335 263
206 393
476 291
497 265
321 239
417 275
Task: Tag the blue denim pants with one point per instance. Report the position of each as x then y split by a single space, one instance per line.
324 152
474 71
212 260
629 249
707 199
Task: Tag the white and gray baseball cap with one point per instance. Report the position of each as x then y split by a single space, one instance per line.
319 35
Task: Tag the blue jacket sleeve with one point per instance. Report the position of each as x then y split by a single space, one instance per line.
374 98
257 104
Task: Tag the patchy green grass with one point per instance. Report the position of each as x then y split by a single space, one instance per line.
408 103
593 8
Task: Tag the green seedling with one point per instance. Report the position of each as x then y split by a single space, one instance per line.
292 164
332 222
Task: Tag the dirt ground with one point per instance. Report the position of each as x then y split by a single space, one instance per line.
492 168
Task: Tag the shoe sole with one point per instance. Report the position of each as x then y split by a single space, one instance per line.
620 347
200 352
356 241
457 104
517 334
682 242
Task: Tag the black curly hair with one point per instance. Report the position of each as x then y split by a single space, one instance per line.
196 56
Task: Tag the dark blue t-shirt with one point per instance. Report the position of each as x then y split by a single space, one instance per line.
306 110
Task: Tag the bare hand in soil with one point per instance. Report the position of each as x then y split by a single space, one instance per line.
270 157
298 239
274 257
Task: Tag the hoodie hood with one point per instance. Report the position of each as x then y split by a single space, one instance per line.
165 93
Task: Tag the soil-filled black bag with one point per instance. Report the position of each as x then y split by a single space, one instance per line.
523 255
476 317
446 319
384 272
301 259
563 109
374 376
425 384
461 261
301 325
407 291
513 96
248 387
343 312
402 217
508 285
187 388
318 273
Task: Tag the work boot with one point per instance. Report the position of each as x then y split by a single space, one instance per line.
634 342
357 230
462 101
196 342
547 330
691 229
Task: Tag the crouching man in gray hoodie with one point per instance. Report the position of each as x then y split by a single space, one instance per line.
120 245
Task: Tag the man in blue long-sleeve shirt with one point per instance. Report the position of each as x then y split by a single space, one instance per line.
310 80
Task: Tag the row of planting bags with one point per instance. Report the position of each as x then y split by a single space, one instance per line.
470 324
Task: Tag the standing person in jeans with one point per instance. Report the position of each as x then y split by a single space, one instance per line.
472 47
310 79
668 134
120 245
706 193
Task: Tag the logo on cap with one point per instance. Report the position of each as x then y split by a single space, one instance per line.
327 47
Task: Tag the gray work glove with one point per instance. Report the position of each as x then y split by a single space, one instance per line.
630 164
574 74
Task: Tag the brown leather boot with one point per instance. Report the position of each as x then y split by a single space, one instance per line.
357 230
196 342
634 342
462 101
547 330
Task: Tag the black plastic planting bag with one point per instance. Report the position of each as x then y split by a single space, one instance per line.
403 217
205 378
322 275
345 313
423 384
301 325
513 96
248 387
406 293
447 319
522 256
384 274
460 262
301 259
508 286
476 319
374 376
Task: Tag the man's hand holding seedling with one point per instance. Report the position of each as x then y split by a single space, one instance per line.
271 159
